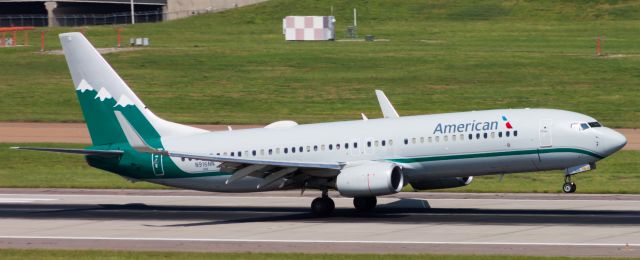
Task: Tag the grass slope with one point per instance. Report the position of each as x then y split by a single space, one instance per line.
28 169
442 56
10 254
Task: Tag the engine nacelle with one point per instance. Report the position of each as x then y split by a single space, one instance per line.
370 179
444 183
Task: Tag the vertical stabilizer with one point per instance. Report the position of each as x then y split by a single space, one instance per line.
101 92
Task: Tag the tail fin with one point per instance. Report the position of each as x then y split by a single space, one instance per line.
101 92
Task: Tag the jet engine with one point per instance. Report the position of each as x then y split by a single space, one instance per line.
370 179
443 183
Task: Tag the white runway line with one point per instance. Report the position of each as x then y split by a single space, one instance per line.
321 241
23 200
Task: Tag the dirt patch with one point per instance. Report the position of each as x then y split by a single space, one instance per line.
77 133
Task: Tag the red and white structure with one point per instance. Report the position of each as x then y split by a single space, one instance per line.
308 28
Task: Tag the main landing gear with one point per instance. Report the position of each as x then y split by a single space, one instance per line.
568 186
365 204
324 205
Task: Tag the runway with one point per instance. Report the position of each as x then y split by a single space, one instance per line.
451 223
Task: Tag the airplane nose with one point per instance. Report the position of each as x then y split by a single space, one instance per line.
611 141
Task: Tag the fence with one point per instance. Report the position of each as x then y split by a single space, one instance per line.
98 19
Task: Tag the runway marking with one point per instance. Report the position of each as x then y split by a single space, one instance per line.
23 200
322 241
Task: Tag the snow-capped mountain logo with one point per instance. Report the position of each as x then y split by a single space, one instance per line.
103 94
124 101
84 86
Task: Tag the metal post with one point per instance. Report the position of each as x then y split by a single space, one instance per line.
598 50
42 41
3 40
26 38
13 38
133 16
119 39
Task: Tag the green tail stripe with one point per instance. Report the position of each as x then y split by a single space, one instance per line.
101 121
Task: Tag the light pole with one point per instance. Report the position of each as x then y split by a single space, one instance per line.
133 16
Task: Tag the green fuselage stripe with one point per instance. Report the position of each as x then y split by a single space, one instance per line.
494 154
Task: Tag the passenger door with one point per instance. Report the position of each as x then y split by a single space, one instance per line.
545 133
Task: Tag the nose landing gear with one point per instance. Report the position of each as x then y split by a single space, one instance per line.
568 186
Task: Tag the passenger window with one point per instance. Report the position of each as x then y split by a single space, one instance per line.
485 135
322 147
232 154
384 142
315 148
406 141
253 152
239 154
368 143
308 148
346 145
293 150
355 145
500 134
225 154
218 154
300 149
470 136
390 142
515 133
261 151
270 151
461 137
376 143
453 138
422 140
430 139
478 136
507 133
337 146
437 139
413 140
330 147
182 158
277 150
446 138
286 150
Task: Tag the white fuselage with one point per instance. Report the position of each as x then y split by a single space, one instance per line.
428 147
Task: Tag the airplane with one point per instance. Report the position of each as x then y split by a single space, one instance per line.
361 159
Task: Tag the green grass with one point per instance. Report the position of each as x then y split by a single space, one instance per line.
442 56
619 173
10 254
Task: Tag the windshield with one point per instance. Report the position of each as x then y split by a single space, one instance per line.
594 124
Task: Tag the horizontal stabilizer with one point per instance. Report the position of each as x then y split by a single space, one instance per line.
103 153
134 139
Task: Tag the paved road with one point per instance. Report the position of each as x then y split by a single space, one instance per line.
77 133
522 224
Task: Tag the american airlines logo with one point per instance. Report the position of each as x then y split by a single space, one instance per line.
475 126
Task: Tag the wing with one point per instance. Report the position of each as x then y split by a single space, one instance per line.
103 153
241 167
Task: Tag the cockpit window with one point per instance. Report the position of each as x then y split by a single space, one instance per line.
584 126
595 124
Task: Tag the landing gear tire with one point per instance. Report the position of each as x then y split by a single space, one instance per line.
364 204
322 207
569 187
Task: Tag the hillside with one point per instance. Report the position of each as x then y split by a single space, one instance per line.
441 56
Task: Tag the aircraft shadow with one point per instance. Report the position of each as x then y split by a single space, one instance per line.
217 215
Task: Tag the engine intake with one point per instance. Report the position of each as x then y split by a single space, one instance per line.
370 179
